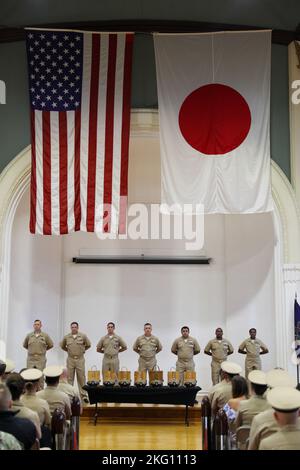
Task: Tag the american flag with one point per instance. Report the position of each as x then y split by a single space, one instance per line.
79 85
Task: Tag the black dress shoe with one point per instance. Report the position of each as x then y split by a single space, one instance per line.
86 400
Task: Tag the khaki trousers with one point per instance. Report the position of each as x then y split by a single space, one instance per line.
215 371
252 364
78 366
183 366
111 363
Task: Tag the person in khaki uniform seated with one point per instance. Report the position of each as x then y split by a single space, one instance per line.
147 346
185 349
32 379
253 348
256 403
223 393
111 345
219 348
54 397
67 388
286 403
30 398
16 385
75 344
37 344
264 424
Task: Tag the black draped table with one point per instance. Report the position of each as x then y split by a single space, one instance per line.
156 395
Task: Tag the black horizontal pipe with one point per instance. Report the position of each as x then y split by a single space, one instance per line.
139 260
17 32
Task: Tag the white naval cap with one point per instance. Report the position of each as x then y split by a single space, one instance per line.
10 366
284 398
280 378
53 371
231 367
31 374
257 377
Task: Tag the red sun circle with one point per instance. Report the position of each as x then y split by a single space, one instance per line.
214 119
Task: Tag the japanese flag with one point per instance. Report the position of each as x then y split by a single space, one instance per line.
214 112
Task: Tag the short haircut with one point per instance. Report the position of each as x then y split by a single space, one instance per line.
111 323
239 386
74 323
219 328
36 321
5 397
16 385
51 380
185 328
259 389
147 324
252 329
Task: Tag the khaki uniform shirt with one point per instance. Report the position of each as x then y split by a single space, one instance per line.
287 438
221 396
185 348
252 347
147 348
219 349
37 344
111 345
24 412
213 389
68 389
38 405
56 399
77 346
263 425
250 408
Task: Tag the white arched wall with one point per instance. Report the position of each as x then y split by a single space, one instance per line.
14 181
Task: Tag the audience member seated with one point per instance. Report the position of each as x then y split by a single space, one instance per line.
256 403
22 429
223 393
67 388
239 392
16 386
286 403
31 400
264 424
54 397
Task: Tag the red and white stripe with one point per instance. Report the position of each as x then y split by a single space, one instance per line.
80 158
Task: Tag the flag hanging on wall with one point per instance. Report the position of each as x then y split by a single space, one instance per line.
214 100
79 84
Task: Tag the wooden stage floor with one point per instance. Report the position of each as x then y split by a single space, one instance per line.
140 427
139 435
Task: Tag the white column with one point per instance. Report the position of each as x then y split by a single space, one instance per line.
294 74
285 325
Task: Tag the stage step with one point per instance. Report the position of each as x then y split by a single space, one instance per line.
130 411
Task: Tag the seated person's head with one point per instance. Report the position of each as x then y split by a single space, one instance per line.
16 385
239 387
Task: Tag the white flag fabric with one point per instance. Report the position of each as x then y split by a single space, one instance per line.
214 113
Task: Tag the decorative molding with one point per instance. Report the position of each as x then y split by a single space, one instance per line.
291 273
285 200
